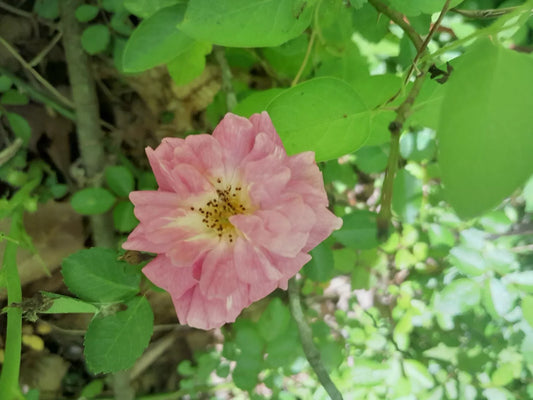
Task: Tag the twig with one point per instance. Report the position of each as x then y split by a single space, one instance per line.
39 57
428 39
305 60
15 10
9 152
37 76
399 19
485 14
396 127
227 86
38 96
90 136
306 336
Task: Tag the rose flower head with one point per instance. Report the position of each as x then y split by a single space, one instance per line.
233 219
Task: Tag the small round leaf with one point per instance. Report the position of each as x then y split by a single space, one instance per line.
86 12
91 201
95 38
120 180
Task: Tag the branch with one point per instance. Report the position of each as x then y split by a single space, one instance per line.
485 14
399 19
306 337
90 136
396 127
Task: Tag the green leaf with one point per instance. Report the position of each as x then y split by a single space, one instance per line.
86 12
123 217
274 320
248 338
66 305
320 267
190 64
146 8
344 260
527 309
324 115
92 389
95 38
21 128
156 40
502 299
14 98
418 375
457 297
47 8
485 139
524 280
96 275
287 59
503 375
407 198
246 23
5 83
256 102
91 201
372 159
120 180
114 342
359 230
468 261
368 372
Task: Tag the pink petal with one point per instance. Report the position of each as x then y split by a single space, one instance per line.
174 280
203 152
219 278
159 158
263 124
271 230
327 222
236 135
252 265
186 252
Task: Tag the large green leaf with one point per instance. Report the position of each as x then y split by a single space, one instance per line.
486 128
246 23
156 40
96 275
114 342
325 115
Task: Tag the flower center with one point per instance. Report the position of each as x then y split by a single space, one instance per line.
216 212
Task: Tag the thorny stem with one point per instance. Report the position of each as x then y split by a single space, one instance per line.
9 379
227 86
399 19
306 337
396 127
305 60
90 136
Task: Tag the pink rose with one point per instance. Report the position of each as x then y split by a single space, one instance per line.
234 218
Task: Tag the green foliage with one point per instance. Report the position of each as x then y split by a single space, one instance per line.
95 275
481 164
324 112
90 201
246 23
113 342
157 40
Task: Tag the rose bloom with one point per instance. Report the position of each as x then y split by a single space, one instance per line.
233 219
